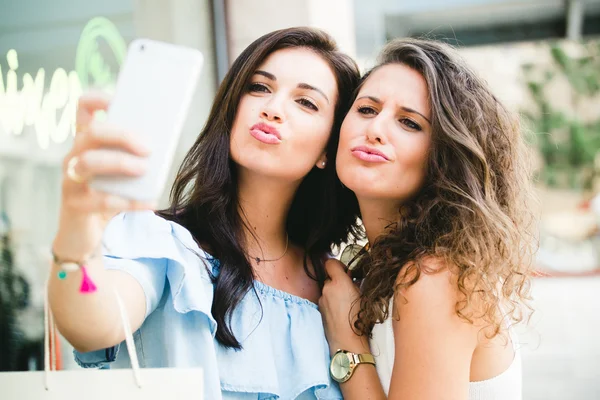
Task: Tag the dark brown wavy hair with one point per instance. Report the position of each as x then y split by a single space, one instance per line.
204 197
472 212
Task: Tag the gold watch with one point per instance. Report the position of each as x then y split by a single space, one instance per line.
343 363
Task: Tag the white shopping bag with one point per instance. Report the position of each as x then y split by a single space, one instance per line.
123 384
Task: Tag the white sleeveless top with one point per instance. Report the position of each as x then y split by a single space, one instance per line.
506 386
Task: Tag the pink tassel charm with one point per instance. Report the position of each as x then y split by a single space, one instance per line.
87 286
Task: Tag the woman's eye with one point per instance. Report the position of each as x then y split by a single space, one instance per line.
308 104
258 87
410 124
366 111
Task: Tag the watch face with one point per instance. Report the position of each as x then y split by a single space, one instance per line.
340 366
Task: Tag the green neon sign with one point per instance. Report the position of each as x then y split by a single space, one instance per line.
52 112
89 62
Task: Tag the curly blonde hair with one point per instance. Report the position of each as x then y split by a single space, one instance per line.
472 212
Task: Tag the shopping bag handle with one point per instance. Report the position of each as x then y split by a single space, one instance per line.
49 335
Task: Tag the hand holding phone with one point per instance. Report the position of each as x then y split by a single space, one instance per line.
125 159
152 98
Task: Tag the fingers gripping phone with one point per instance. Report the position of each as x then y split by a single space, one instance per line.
152 99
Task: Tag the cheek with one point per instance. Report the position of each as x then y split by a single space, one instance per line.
351 128
307 141
417 152
239 131
412 161
309 134
244 109
348 169
345 131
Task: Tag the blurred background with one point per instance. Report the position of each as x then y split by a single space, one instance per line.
541 57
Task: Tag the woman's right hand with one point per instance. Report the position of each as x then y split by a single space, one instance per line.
98 150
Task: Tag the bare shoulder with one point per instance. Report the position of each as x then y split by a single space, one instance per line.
433 293
425 306
434 282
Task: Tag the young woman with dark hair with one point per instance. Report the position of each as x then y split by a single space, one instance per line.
228 276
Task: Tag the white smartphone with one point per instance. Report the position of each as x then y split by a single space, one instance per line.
152 98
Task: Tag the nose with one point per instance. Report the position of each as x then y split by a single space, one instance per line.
376 130
272 110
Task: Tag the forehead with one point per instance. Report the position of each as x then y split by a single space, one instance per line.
301 65
399 84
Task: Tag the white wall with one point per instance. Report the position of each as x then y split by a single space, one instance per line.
560 347
247 20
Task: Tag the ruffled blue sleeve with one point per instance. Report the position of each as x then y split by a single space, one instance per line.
156 252
285 354
122 240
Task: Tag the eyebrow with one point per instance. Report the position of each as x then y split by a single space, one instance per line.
407 109
266 74
272 77
310 87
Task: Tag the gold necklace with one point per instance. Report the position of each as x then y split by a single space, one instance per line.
287 242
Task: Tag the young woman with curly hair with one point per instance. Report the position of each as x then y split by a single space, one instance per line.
439 168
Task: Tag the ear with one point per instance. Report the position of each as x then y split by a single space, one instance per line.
322 161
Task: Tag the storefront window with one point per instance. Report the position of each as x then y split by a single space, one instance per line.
47 59
50 53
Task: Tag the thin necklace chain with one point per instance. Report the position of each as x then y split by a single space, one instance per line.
287 242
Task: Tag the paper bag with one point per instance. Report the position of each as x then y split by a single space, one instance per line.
122 384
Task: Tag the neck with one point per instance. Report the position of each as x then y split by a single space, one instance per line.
377 215
264 205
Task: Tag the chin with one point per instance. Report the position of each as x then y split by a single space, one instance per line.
355 176
365 184
363 190
357 183
272 168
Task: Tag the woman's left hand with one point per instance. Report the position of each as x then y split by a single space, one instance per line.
339 305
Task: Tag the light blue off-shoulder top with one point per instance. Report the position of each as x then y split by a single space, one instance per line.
285 354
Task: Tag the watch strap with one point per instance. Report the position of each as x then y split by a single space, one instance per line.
365 358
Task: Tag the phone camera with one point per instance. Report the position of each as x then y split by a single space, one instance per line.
142 47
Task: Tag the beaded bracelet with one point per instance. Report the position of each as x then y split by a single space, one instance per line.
87 285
